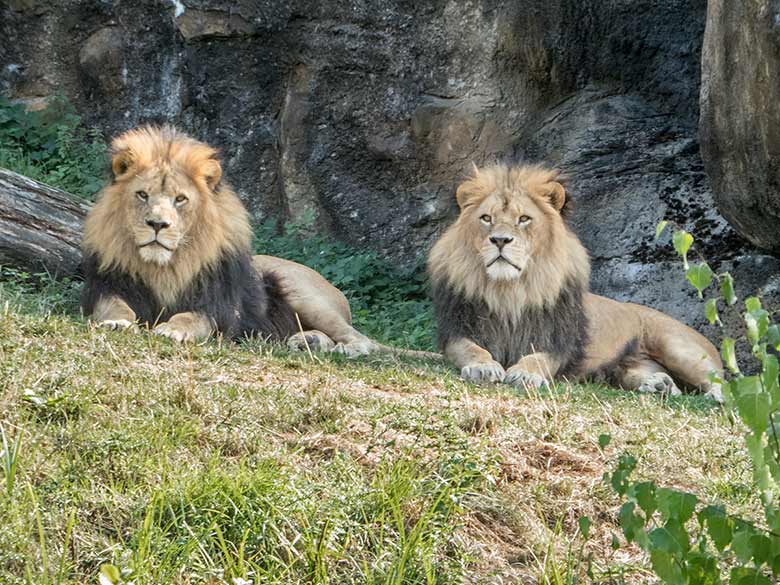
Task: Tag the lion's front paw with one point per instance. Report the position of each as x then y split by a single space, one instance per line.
523 379
173 332
715 393
118 324
483 372
356 348
311 340
661 383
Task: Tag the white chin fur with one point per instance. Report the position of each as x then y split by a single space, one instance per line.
156 254
502 271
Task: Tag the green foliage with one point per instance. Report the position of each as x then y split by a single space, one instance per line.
52 146
38 292
682 241
688 542
700 276
388 304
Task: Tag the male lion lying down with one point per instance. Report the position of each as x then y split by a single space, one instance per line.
510 290
168 245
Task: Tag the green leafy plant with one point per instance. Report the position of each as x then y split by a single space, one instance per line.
388 303
692 542
9 459
52 146
39 292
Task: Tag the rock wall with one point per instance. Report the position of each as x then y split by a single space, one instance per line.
368 113
740 121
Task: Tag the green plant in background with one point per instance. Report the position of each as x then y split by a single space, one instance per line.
38 292
388 303
689 542
52 146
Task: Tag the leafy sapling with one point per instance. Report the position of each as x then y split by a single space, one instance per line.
688 541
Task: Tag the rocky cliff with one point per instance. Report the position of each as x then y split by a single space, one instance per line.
740 121
368 113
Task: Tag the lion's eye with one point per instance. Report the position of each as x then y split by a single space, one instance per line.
142 195
181 199
523 219
486 218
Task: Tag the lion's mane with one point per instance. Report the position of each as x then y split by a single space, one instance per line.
211 272
542 311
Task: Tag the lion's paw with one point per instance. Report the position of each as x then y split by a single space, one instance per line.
118 324
660 383
715 393
356 348
483 372
523 379
175 333
313 340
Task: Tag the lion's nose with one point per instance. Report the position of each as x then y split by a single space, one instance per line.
501 241
157 225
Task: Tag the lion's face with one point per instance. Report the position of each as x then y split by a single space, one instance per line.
160 207
506 233
510 247
509 221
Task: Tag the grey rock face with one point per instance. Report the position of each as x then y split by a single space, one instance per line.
101 60
369 113
740 122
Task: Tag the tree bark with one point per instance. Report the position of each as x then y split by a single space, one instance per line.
40 227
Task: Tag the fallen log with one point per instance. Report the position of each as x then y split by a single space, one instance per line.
40 226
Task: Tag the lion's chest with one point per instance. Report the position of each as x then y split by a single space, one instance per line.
559 328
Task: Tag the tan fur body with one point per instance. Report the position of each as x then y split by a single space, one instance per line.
323 311
680 350
510 283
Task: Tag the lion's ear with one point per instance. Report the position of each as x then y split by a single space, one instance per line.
465 195
122 163
470 191
556 194
211 171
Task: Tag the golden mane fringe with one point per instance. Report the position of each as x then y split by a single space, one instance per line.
561 261
220 229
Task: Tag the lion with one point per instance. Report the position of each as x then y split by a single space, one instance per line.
168 245
510 287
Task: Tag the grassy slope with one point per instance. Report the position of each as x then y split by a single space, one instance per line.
201 464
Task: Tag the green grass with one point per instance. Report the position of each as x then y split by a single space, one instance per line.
221 461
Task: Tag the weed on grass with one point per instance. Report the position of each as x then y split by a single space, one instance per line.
9 460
